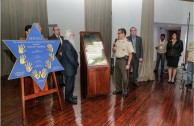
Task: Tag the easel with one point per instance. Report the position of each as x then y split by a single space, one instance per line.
38 93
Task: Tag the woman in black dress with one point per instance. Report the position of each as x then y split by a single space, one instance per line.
174 49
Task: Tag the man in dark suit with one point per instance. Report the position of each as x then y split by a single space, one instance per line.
70 65
56 36
138 53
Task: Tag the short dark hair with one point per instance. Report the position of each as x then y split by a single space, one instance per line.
54 27
123 30
132 28
162 35
27 27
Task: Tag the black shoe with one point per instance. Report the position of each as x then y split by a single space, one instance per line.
136 84
116 92
74 97
155 70
191 89
72 101
61 85
188 85
125 94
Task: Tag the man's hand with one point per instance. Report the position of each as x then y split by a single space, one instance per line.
186 60
127 67
140 59
114 49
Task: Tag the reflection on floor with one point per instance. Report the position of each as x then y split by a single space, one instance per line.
153 103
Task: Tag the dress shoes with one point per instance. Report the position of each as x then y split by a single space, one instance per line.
136 84
188 85
125 94
61 85
116 92
72 101
74 97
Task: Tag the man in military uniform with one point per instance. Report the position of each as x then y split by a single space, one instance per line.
123 50
190 68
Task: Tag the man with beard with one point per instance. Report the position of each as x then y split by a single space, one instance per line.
56 36
70 65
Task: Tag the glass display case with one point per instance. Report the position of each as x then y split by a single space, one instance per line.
94 49
95 69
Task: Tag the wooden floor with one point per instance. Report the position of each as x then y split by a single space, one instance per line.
154 103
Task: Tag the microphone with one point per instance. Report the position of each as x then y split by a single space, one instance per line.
114 43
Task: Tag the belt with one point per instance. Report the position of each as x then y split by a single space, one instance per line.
121 58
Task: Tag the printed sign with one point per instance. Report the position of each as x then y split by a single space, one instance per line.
35 57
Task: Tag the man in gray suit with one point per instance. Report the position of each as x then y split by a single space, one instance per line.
138 53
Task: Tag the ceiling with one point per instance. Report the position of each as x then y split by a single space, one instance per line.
188 0
169 26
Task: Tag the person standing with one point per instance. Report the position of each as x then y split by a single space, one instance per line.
190 68
174 50
161 53
70 65
138 53
56 36
123 51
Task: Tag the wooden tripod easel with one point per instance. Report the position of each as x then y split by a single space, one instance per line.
38 93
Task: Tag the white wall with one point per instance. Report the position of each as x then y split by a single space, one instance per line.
173 11
125 14
68 14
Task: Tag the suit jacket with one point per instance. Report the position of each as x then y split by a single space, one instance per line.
53 37
69 58
174 50
139 48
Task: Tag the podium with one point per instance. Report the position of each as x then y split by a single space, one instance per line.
94 70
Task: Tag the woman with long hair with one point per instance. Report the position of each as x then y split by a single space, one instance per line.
174 50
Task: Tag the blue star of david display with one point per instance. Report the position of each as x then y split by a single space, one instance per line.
35 57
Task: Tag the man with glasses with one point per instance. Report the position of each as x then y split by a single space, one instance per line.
138 53
123 51
56 36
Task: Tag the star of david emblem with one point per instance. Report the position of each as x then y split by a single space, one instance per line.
35 57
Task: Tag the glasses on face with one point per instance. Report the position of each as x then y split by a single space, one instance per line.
57 29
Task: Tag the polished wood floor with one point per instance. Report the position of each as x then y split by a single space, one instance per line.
154 103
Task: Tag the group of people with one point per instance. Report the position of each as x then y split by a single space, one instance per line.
129 52
171 51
